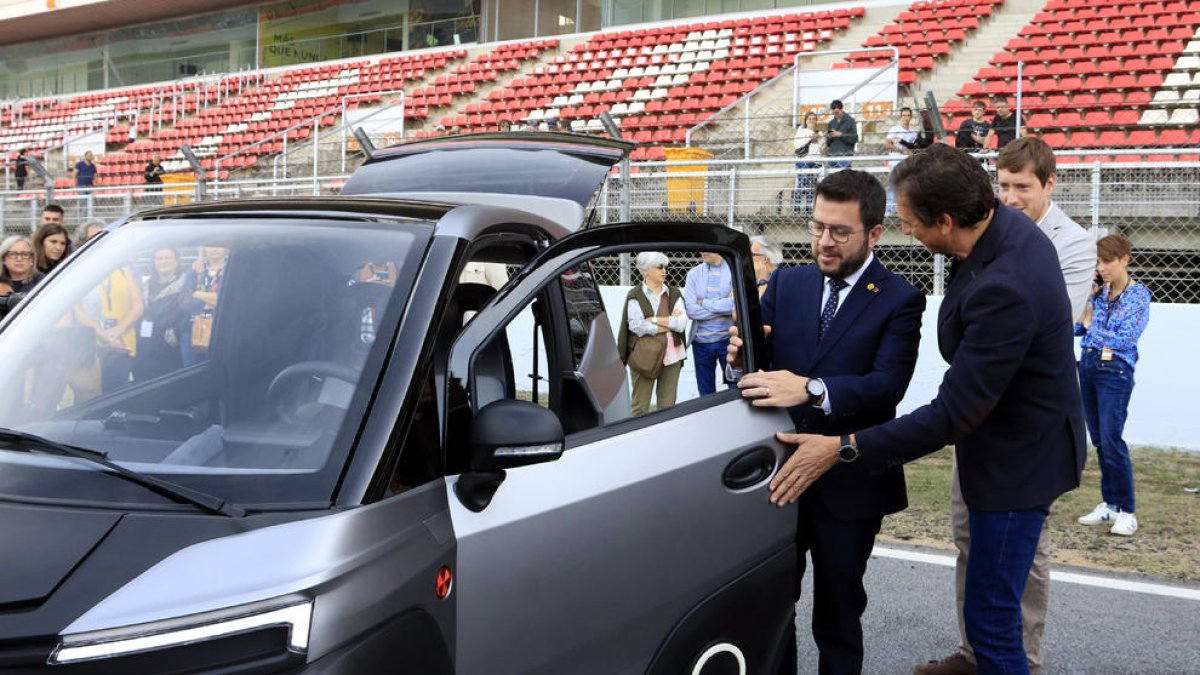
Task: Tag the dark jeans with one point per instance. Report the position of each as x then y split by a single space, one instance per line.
1003 544
1106 387
709 357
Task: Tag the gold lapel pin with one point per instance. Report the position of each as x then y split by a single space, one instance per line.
873 288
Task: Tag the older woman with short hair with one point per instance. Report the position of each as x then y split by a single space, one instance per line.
18 273
767 257
652 342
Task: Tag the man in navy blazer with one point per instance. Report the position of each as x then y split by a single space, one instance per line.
845 335
1009 402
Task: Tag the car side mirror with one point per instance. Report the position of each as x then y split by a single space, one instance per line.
506 434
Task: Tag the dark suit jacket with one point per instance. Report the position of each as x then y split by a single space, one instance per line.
1010 401
865 360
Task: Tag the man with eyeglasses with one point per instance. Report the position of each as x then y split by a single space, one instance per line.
1010 401
845 334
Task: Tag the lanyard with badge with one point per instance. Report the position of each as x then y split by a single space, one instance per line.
1106 353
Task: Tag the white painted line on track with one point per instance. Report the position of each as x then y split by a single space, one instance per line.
1055 575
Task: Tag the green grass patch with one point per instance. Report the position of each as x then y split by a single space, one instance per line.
1166 542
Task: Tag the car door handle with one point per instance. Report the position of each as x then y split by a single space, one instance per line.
749 468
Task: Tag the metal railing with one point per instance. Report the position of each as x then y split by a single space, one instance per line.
1155 204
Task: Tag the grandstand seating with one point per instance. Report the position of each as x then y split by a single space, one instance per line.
485 68
1093 74
262 113
1100 73
923 34
656 82
40 124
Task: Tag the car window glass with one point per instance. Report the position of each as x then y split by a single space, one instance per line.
594 331
225 355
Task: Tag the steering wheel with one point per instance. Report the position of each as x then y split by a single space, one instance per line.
294 375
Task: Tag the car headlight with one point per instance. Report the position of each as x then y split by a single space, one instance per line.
294 618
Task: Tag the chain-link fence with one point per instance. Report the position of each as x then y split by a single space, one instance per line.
1155 204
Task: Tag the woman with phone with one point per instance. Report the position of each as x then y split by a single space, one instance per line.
1111 325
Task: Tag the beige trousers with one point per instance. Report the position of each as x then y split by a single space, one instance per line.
1037 588
667 385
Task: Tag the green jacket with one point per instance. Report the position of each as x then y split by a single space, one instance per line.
627 337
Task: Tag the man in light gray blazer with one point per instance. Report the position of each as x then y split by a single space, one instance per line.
1027 174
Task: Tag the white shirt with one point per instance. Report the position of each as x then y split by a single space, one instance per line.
899 133
851 280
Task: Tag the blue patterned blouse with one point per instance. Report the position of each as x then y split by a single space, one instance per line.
1118 323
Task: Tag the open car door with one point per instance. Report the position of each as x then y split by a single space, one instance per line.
626 544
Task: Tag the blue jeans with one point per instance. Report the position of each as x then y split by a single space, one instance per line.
1106 387
709 357
1002 547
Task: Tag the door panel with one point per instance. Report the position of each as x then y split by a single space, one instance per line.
586 564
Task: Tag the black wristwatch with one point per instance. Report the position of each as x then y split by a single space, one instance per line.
816 391
847 452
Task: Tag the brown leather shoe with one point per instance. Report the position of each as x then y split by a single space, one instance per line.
955 664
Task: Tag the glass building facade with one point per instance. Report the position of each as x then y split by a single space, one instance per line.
304 31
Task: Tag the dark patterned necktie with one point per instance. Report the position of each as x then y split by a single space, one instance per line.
831 305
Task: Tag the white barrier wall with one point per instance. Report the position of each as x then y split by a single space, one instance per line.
1163 413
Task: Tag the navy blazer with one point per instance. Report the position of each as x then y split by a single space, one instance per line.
865 360
1010 401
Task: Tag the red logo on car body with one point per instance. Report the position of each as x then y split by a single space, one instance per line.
445 581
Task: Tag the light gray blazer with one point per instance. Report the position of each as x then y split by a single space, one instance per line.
1076 255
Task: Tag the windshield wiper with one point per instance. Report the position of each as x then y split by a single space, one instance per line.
19 440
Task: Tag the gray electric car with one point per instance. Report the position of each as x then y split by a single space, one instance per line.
306 446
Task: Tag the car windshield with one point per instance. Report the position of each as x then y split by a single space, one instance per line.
233 357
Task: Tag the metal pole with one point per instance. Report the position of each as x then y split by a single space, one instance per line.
1020 84
731 205
625 276
316 153
939 274
746 131
1095 196
285 152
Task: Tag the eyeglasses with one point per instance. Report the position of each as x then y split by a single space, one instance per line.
19 255
840 233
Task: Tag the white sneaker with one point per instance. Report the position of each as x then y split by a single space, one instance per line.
1103 513
1126 524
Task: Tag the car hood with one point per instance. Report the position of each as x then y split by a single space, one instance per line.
42 547
473 168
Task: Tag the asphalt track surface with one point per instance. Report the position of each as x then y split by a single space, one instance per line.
1098 623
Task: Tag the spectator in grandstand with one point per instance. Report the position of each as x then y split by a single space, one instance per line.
51 246
1004 124
153 173
53 214
112 311
841 136
1111 326
708 299
1026 171
901 139
846 332
21 169
973 132
652 341
166 318
18 273
85 171
809 142
1004 326
767 257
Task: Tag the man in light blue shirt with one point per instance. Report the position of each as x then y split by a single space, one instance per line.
708 299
